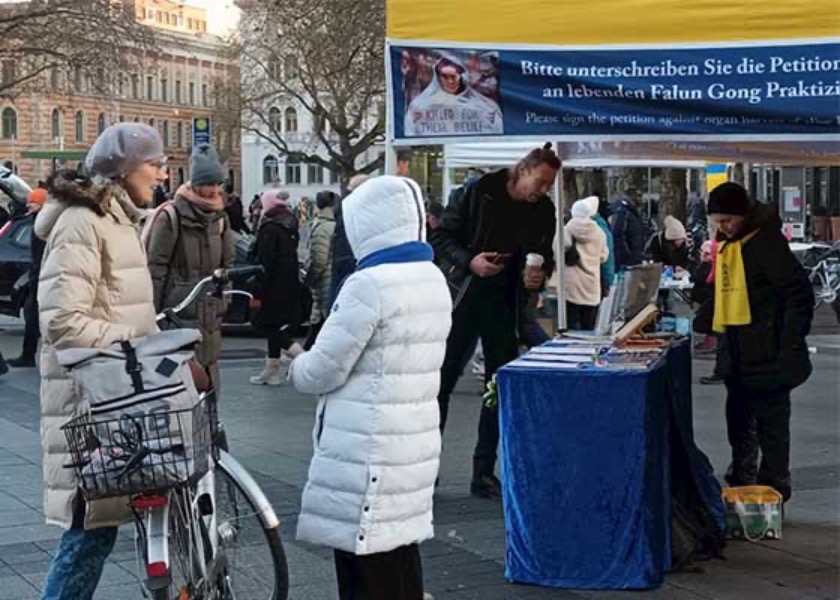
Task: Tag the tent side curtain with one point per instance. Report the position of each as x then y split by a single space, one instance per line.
537 22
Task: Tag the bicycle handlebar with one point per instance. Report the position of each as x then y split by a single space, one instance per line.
220 278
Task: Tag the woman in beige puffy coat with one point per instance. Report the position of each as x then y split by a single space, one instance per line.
583 280
94 290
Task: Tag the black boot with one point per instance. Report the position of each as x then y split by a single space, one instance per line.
713 379
4 368
22 362
484 483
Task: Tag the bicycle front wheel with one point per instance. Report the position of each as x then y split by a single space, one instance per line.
256 561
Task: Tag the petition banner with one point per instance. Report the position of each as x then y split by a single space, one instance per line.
753 90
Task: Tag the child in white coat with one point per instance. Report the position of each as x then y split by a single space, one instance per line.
375 366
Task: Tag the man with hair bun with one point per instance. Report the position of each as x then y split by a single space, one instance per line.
481 245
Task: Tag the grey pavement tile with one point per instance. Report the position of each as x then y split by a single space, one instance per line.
316 591
21 558
11 549
822 584
119 592
668 591
16 588
767 560
30 533
722 583
19 516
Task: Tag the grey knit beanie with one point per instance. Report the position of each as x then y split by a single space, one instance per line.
205 168
123 147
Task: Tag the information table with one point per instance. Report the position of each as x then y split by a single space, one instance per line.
585 459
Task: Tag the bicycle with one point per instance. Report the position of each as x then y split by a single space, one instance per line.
824 274
190 534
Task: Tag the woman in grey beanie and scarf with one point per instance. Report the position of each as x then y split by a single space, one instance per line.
188 240
94 291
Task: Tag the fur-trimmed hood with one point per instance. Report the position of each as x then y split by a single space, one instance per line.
69 188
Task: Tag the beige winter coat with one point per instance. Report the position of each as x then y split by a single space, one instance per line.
94 290
320 263
583 281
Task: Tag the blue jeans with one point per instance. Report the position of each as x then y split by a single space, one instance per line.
75 571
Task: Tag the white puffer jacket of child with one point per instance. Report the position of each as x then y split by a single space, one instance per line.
376 367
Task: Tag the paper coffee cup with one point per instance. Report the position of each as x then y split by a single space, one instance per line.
534 260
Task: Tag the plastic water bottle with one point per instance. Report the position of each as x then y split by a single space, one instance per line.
668 273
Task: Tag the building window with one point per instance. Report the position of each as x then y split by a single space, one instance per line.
179 135
122 118
192 93
291 120
189 23
315 174
275 69
9 124
205 100
135 86
54 79
121 85
164 90
271 170
333 177
150 89
78 79
166 133
181 177
179 96
292 172
275 119
291 69
9 72
100 123
80 127
56 124
151 122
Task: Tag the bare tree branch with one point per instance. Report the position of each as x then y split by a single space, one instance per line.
326 56
88 36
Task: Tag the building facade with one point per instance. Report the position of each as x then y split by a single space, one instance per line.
53 123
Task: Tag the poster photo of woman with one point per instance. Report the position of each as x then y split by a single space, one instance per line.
451 93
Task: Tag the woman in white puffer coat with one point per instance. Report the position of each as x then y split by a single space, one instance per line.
376 366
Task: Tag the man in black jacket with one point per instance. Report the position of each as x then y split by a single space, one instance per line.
480 246
630 234
765 355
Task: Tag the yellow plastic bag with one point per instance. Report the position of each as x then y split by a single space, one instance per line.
753 513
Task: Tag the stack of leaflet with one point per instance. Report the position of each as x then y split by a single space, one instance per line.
564 354
630 358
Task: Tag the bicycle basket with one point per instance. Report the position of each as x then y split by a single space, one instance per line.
136 454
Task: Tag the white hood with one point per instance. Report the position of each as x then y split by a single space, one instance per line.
384 212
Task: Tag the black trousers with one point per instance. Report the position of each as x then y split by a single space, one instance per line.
32 330
581 318
394 575
488 312
278 341
758 421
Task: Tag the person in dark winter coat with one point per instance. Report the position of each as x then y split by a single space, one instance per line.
763 308
669 247
481 246
32 331
236 214
343 263
629 233
279 294
188 241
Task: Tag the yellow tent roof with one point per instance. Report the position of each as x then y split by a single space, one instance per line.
598 22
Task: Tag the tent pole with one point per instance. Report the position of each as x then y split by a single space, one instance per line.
560 202
390 158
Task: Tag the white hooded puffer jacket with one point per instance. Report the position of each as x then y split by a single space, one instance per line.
376 365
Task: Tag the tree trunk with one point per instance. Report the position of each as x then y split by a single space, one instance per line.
632 178
674 195
570 188
595 183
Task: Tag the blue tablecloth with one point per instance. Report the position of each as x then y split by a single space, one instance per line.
585 460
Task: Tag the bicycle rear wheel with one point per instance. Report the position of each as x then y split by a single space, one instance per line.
256 560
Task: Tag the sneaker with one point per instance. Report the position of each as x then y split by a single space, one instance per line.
21 362
428 596
486 486
711 380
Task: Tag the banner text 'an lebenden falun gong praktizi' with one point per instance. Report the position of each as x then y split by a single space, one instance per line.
786 88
